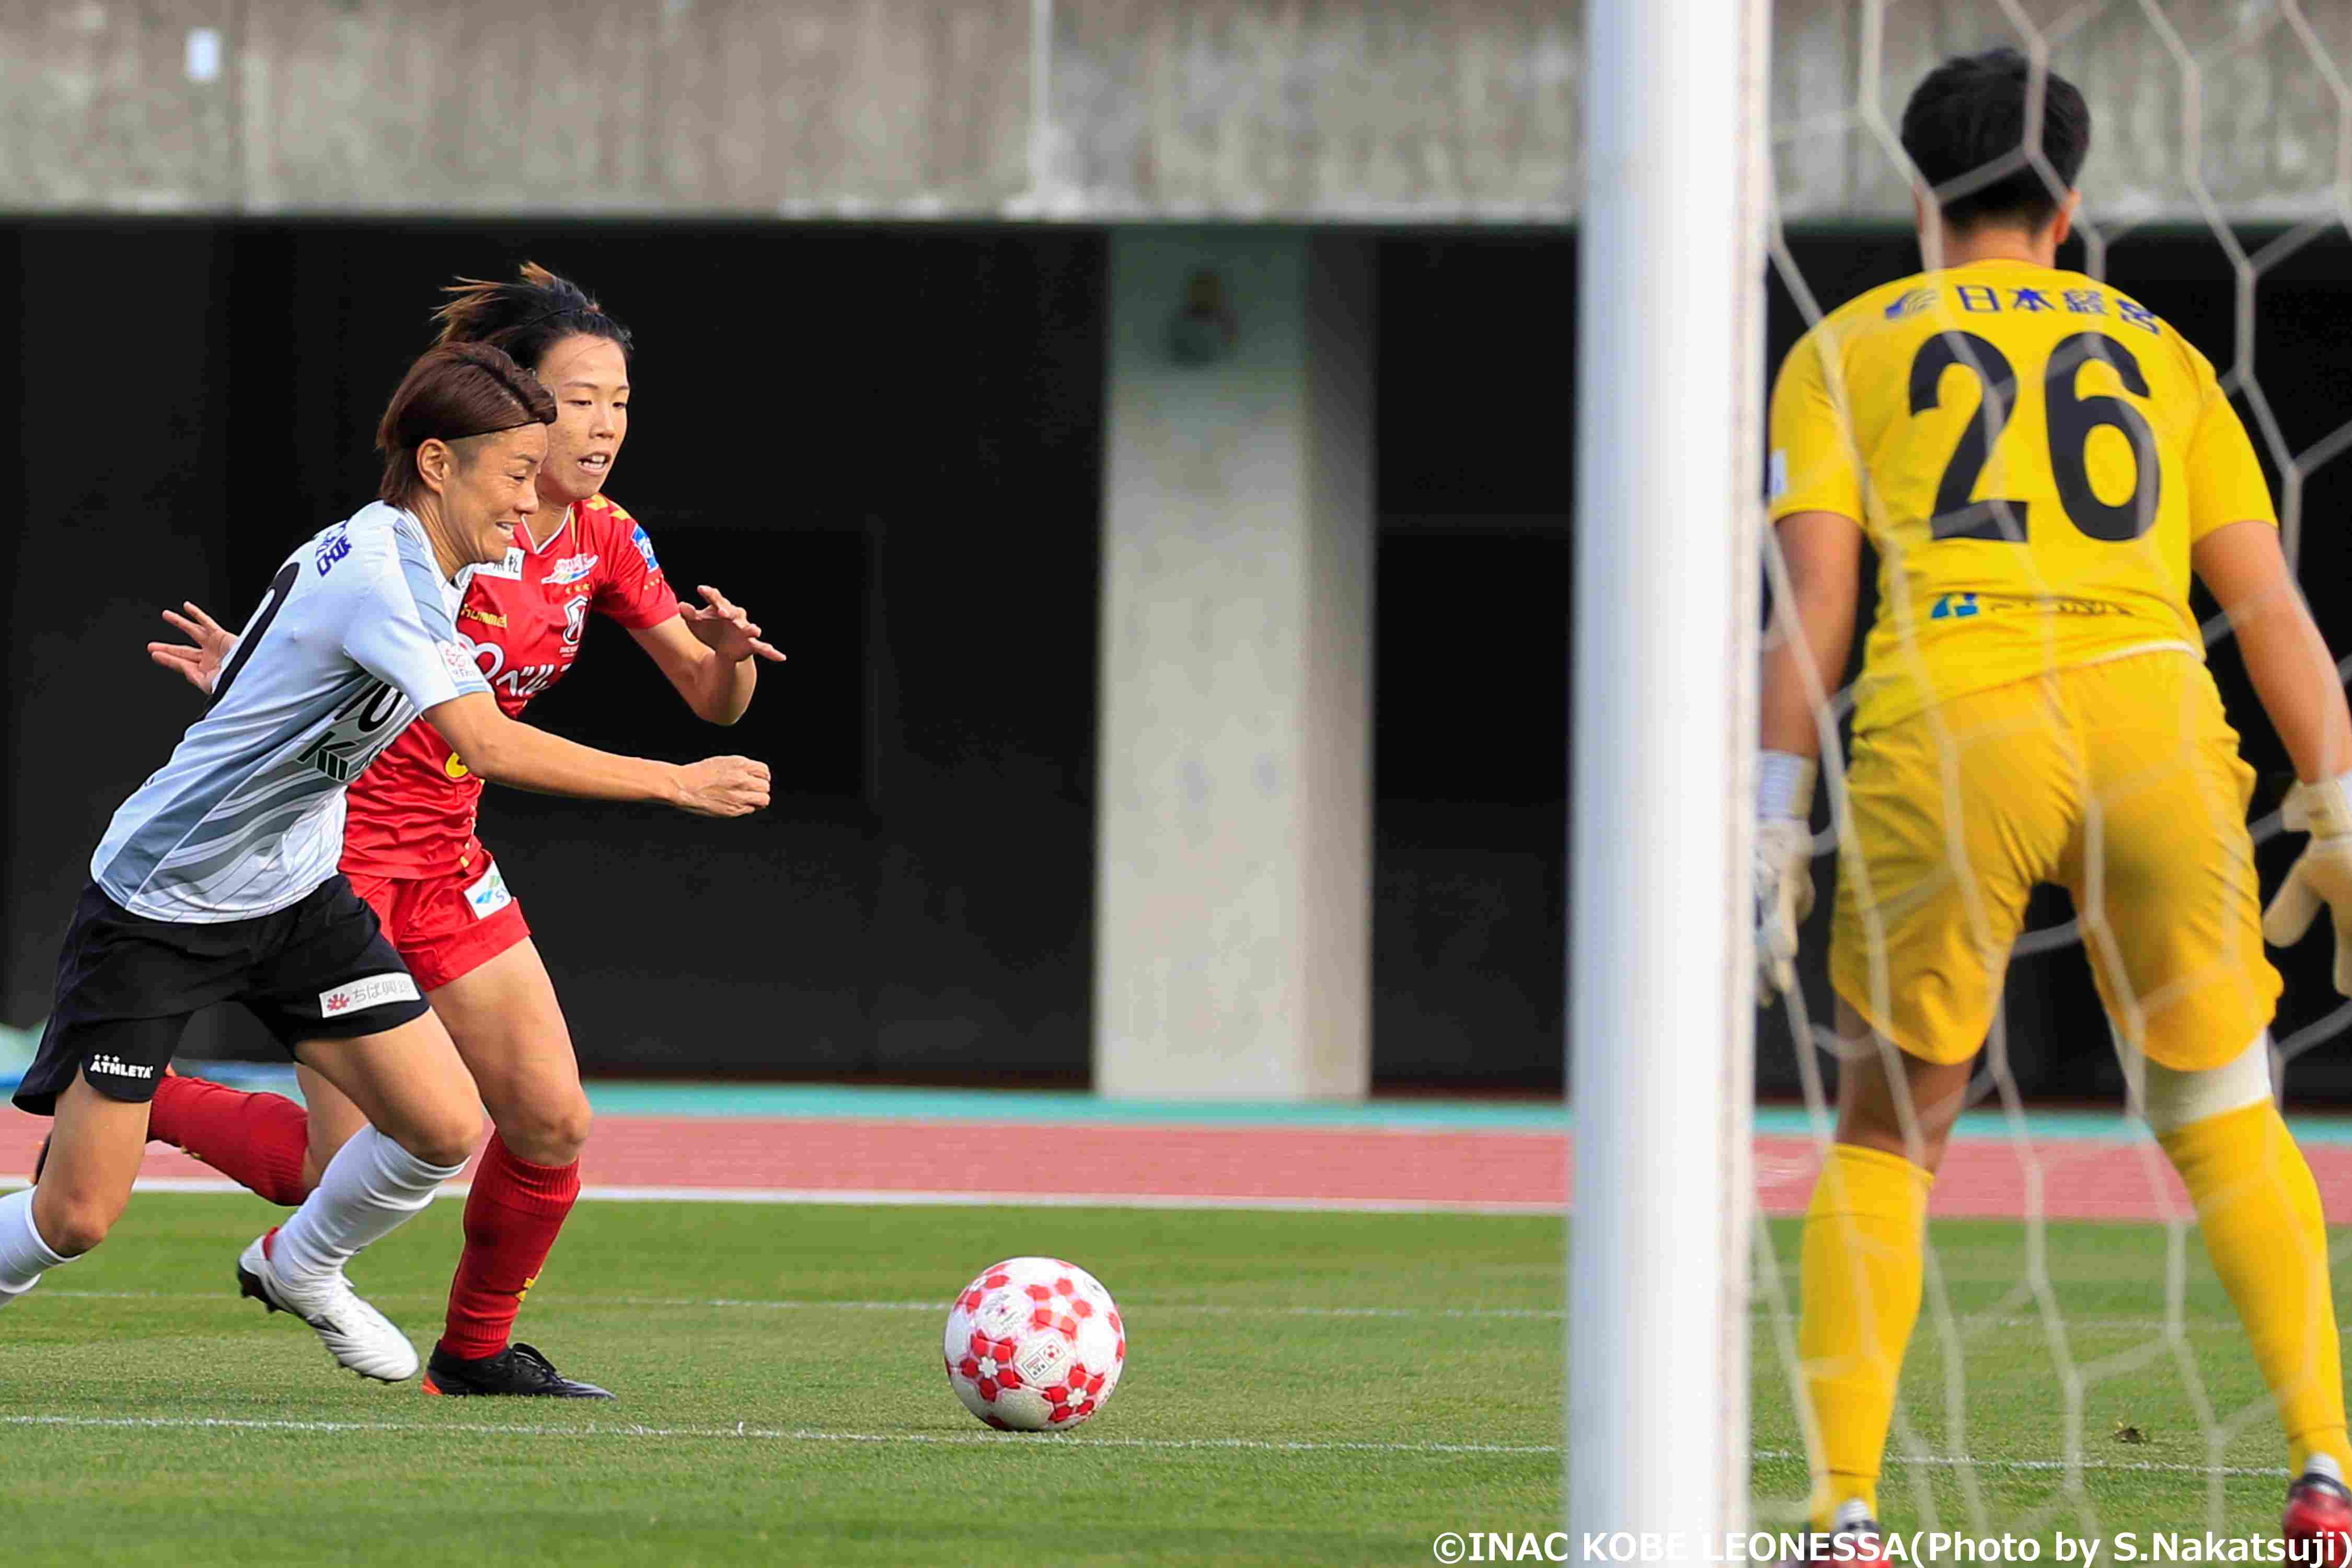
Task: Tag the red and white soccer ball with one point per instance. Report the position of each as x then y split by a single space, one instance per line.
1034 1344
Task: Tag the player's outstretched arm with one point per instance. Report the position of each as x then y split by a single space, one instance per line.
2294 676
498 748
710 652
1804 652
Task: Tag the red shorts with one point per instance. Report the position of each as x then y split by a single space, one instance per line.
446 927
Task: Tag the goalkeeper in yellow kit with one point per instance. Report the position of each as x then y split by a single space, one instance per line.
2040 464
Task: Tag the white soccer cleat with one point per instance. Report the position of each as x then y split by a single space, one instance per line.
355 1333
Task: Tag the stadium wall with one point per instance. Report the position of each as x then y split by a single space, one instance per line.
1109 110
889 442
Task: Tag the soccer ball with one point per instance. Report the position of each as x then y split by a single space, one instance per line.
1034 1344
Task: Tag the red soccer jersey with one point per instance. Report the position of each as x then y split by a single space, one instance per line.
411 813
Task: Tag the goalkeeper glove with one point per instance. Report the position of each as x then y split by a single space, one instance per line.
1784 866
2321 875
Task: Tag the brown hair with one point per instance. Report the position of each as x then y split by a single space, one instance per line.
453 391
527 316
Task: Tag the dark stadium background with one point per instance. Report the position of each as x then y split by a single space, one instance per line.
887 443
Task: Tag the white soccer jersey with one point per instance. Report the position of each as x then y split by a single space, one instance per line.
355 638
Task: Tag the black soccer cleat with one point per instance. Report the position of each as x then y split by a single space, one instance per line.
518 1368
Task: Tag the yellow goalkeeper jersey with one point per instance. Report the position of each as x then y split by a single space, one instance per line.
2032 453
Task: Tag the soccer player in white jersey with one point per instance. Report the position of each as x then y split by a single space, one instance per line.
217 879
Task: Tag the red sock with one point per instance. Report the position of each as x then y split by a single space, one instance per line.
257 1139
511 1218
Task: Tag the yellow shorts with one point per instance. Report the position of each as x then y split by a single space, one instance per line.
2121 783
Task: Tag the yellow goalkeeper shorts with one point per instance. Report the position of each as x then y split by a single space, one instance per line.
2119 782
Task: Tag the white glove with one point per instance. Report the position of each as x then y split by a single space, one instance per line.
1784 896
2322 874
1784 868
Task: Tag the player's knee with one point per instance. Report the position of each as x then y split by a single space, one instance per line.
2173 1099
548 1131
447 1136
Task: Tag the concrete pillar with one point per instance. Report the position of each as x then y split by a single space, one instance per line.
1233 929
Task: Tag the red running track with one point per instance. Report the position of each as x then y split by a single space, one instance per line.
2078 1179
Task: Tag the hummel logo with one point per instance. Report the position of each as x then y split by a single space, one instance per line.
106 1062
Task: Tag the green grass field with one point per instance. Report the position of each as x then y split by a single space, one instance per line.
854 1451
1301 1388
2147 1462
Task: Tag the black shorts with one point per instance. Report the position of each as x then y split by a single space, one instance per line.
317 970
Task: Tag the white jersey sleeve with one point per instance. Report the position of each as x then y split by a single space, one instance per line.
399 630
355 635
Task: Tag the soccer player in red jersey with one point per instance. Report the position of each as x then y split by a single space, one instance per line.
410 849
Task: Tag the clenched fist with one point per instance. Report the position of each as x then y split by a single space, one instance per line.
723 786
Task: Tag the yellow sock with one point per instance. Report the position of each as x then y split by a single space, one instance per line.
1865 1240
2259 1210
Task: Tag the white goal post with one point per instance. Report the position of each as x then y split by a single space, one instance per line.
1669 393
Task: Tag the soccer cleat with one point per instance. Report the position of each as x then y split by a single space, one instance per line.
1868 1544
2317 1528
355 1333
518 1368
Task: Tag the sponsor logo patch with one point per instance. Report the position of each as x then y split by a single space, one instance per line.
490 895
333 550
571 569
645 546
510 568
115 1067
1776 474
1910 304
487 617
459 661
372 992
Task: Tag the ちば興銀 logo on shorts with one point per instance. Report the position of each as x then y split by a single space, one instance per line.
372 992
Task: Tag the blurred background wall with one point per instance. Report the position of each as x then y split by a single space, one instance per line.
866 249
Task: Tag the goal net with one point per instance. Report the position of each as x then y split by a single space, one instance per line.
2077 1370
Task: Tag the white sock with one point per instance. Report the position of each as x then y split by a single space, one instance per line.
22 1254
370 1187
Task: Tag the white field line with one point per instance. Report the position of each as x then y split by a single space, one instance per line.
1956 1462
2218 1324
640 1303
914 1199
745 1432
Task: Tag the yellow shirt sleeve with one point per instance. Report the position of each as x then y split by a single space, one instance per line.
1811 466
2225 478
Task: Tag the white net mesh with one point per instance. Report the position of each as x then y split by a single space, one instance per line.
2065 1378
